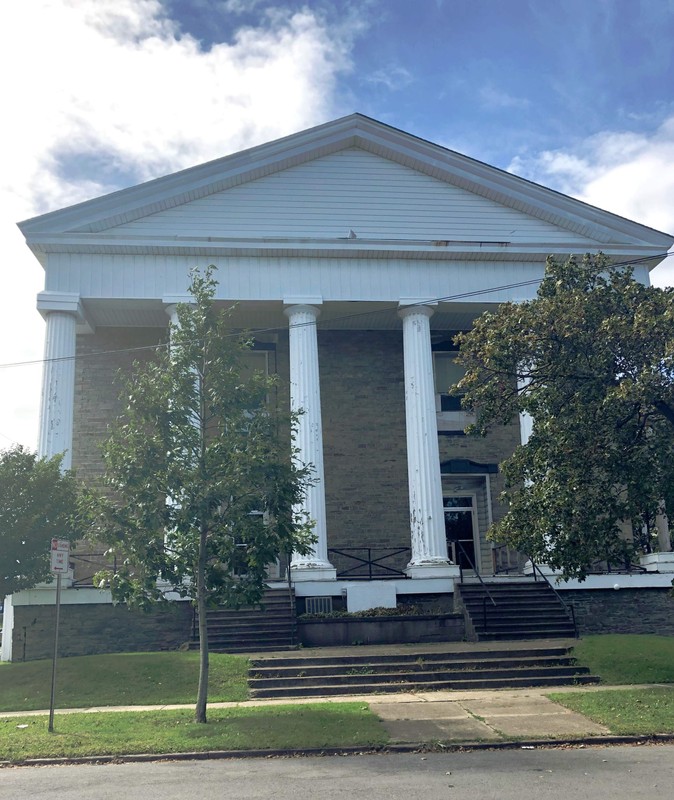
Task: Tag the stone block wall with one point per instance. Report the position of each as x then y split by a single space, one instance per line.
363 406
101 359
622 611
86 629
363 409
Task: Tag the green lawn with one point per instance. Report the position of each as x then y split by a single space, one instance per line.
628 712
621 659
121 679
314 725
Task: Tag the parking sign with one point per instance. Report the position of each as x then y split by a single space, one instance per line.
60 552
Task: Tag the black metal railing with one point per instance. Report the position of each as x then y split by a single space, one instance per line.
626 567
506 560
570 610
463 552
366 563
86 565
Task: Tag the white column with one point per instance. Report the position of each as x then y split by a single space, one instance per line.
305 399
61 313
662 527
427 518
526 420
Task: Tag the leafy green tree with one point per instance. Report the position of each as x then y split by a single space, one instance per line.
591 359
37 503
201 482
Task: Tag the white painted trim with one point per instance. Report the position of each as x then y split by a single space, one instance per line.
658 562
7 629
303 300
608 581
340 587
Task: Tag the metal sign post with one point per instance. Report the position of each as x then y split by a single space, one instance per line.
60 552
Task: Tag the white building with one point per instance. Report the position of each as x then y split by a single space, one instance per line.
358 251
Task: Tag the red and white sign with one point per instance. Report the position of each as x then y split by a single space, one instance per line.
60 552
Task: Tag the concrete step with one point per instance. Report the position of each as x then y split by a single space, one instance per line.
407 667
270 626
418 656
372 672
327 690
375 678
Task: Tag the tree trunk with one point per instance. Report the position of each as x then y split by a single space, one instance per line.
202 692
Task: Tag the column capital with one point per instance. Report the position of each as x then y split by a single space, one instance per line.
172 301
302 308
65 302
408 311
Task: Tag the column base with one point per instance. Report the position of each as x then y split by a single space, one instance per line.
435 569
658 562
312 572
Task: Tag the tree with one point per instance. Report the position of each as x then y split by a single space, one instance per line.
37 503
201 479
591 359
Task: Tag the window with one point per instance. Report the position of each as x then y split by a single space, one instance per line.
451 418
447 374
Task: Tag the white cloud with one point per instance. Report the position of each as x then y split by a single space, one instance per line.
392 77
101 92
627 173
493 98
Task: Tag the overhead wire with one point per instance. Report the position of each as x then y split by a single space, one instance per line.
332 320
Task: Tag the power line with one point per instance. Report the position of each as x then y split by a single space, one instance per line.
318 323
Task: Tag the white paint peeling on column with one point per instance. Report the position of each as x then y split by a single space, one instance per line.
427 523
305 399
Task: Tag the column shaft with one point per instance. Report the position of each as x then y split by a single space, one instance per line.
427 521
305 399
58 387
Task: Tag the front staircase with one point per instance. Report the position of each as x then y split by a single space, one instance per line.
389 669
514 610
252 629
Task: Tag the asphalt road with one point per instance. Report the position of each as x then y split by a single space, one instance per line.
618 773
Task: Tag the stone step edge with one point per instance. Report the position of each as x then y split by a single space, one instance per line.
425 655
434 676
392 688
404 666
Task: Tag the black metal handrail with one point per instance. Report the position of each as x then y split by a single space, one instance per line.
569 608
367 561
479 577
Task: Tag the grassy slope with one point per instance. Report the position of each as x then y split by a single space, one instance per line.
625 659
311 726
121 679
622 659
635 712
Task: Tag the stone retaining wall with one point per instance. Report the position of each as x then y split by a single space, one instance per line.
98 628
623 611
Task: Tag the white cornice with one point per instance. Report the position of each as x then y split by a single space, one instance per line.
446 250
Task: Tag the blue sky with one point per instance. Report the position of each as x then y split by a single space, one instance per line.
101 94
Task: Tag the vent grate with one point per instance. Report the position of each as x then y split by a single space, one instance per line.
318 605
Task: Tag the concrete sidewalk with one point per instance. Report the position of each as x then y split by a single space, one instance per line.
453 717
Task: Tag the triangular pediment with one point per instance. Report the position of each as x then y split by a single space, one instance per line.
352 193
353 178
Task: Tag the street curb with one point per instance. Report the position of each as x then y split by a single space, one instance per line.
403 747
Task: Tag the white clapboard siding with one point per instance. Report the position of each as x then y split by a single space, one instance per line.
348 190
338 279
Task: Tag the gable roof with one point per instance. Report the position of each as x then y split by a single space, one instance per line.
107 222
